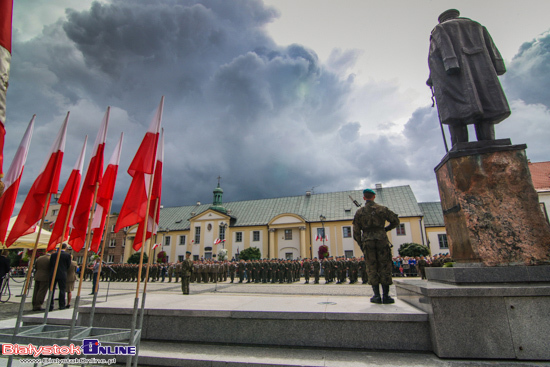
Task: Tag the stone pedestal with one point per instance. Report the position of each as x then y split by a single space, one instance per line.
491 209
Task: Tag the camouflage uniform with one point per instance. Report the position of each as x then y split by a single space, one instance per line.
186 271
369 232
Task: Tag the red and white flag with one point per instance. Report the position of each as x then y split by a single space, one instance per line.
156 193
142 167
105 196
67 200
45 184
217 241
156 245
79 222
6 14
12 181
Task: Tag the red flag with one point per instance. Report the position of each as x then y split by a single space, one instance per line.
67 199
46 183
156 193
105 196
6 14
12 181
79 222
135 205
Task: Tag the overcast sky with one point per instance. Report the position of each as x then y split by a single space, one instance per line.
277 96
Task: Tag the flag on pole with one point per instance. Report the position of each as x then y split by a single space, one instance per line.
94 174
67 200
45 184
12 181
217 241
156 245
6 14
156 193
135 205
105 196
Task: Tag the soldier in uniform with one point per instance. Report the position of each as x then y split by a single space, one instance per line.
186 270
316 270
241 266
307 268
369 231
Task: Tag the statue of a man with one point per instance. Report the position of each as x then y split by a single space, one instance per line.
464 67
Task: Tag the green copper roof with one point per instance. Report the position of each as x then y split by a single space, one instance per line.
433 214
334 206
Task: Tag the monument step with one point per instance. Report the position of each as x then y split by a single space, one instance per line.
277 321
154 353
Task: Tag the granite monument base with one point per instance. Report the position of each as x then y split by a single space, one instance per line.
491 209
497 321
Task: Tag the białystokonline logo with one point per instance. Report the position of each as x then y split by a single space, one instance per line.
93 347
89 347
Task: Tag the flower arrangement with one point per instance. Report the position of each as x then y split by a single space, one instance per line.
323 252
161 257
222 254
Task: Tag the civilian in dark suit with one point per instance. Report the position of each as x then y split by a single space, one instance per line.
61 275
4 266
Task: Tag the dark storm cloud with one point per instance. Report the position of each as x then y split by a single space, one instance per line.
528 74
271 120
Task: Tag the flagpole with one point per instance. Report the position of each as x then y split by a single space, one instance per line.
82 271
52 283
106 236
149 259
29 272
145 222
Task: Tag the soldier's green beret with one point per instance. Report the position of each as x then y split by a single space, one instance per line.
188 252
369 191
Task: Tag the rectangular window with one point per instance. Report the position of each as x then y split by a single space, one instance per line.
112 242
195 257
442 238
222 233
401 230
207 255
288 255
256 236
55 211
111 259
78 260
348 254
238 237
182 240
544 212
288 235
113 227
167 240
180 258
346 232
197 235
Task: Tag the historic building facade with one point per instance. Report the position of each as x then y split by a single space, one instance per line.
288 227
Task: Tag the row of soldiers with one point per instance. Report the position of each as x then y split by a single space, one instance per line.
333 269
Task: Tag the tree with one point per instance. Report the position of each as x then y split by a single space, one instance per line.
134 259
413 250
251 253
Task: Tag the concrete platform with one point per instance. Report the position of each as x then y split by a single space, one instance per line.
291 321
496 321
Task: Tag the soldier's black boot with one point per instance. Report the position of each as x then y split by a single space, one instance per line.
376 298
386 299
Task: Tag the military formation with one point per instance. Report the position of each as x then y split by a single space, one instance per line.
337 270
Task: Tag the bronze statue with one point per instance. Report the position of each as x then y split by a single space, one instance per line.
464 67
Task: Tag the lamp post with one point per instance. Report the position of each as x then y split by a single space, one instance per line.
322 218
224 226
